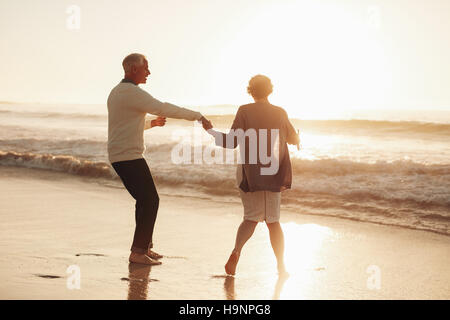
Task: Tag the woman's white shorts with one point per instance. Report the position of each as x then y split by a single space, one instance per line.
261 206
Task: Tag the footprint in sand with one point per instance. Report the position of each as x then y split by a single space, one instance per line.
90 254
140 280
221 276
47 276
175 257
319 269
104 255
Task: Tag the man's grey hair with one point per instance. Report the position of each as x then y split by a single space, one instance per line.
131 60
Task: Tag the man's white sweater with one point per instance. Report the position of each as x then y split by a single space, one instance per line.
127 106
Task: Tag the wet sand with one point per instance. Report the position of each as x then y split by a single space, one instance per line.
50 221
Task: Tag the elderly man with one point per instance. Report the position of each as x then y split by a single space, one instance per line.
127 107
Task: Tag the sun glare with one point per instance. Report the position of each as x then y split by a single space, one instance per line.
302 244
302 253
321 58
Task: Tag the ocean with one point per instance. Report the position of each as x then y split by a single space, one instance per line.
389 168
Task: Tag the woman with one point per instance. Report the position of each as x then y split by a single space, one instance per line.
260 183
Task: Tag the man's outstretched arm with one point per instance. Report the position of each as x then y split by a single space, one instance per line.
144 102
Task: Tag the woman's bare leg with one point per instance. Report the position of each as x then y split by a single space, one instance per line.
277 241
245 231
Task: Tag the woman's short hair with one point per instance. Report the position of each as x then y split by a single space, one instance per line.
259 87
131 60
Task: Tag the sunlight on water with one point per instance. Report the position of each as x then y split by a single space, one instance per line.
314 147
303 244
257 269
309 144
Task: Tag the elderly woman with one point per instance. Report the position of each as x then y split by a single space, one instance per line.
260 183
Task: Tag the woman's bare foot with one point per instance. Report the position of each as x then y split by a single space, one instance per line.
282 270
142 259
230 267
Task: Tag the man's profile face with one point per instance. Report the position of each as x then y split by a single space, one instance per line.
141 73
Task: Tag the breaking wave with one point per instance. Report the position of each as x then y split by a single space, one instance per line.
338 126
331 183
402 193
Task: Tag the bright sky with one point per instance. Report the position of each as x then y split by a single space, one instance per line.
321 55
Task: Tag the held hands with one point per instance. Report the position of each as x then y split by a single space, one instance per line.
161 121
158 122
206 123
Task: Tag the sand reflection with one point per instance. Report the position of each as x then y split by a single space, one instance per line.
229 288
230 293
303 250
279 286
138 280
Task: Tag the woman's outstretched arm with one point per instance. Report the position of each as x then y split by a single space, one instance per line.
229 140
224 140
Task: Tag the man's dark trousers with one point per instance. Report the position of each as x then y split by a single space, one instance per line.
137 179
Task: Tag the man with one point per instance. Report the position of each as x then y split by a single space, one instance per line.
127 107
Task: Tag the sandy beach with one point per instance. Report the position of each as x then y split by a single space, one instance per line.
51 221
